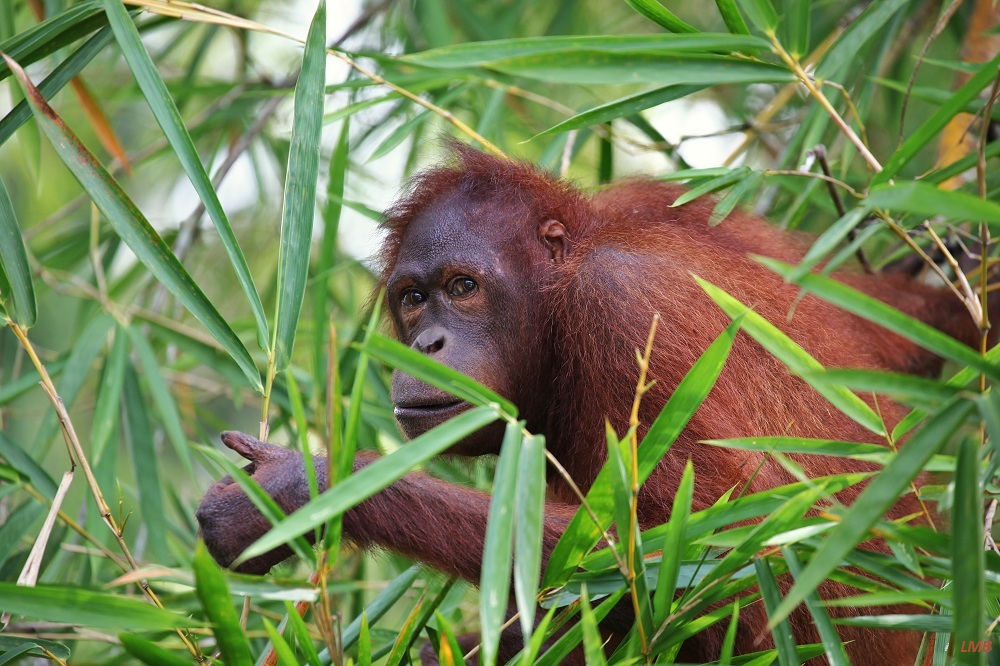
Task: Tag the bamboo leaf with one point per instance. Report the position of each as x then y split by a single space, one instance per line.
621 108
132 227
478 54
732 17
529 517
585 67
878 496
969 563
931 128
382 603
300 191
17 293
494 582
150 653
832 644
437 374
792 355
169 118
761 13
928 200
660 15
75 605
371 479
856 36
888 317
210 587
784 641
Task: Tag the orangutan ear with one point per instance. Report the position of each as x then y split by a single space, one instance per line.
555 238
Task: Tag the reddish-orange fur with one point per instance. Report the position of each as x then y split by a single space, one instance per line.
632 256
629 256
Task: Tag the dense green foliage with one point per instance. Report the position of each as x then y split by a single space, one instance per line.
156 329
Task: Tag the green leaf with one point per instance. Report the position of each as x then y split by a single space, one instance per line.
494 582
792 355
761 13
674 546
300 191
106 411
169 118
301 632
50 35
621 108
828 241
878 496
392 593
887 317
853 40
170 417
150 653
784 641
133 228
581 535
371 479
796 22
660 15
732 17
210 586
832 644
477 54
928 201
426 369
586 67
725 180
969 563
75 605
17 292
145 460
931 128
10 644
529 516
593 645
282 650
902 387
266 504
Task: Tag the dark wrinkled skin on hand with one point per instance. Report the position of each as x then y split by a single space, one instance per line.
230 522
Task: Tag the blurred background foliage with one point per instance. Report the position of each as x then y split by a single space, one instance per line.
148 386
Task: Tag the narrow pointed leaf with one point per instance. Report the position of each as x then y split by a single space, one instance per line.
660 15
529 518
494 583
477 54
968 557
582 534
888 317
371 479
931 128
621 108
169 118
133 228
928 200
426 369
15 274
300 190
876 499
87 608
795 357
212 592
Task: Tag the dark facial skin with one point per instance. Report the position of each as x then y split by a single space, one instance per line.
470 298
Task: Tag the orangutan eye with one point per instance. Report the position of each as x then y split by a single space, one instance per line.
412 298
462 287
